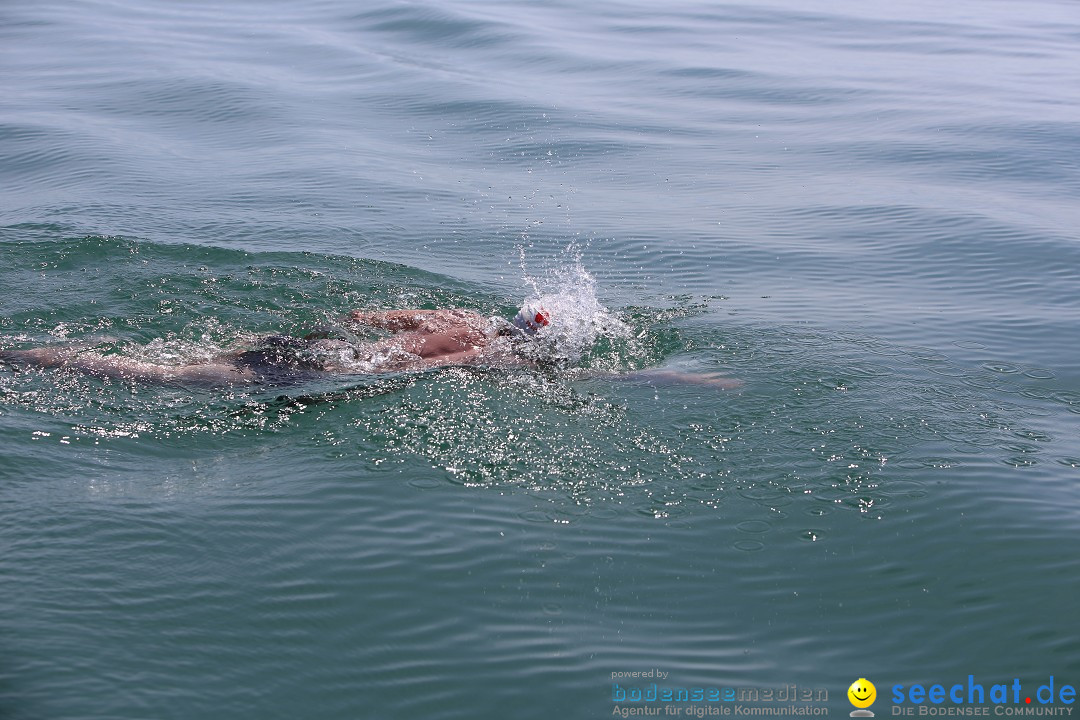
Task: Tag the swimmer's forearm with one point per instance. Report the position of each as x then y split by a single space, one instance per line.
409 319
660 376
679 377
390 319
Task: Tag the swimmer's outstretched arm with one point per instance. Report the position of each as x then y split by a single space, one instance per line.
679 377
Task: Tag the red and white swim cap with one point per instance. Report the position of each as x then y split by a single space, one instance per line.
531 317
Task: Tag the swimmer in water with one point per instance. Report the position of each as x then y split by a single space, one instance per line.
419 340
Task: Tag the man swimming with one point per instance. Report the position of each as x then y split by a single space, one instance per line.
419 340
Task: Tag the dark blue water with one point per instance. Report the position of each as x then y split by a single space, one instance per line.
867 214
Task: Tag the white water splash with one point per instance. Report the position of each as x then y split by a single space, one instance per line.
567 292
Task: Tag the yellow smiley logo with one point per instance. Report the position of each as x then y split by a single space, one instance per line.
862 693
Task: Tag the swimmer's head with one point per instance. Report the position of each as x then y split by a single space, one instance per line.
531 317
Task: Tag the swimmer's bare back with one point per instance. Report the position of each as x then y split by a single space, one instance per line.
443 336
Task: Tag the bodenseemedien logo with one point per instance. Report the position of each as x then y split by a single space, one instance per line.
862 694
